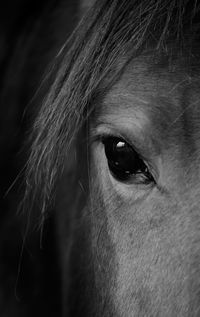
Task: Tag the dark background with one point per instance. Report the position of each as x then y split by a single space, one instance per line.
31 33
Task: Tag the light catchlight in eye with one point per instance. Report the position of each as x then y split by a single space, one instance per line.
124 163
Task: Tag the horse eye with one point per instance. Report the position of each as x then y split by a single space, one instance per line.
124 163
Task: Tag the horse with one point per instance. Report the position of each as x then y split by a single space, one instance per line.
115 149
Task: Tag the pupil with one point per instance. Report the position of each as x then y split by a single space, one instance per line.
123 161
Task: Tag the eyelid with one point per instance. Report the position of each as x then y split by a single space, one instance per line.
101 135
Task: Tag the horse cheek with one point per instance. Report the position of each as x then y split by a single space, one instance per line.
149 252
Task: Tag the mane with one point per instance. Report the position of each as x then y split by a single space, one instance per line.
110 29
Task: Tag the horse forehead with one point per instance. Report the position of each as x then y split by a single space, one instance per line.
164 99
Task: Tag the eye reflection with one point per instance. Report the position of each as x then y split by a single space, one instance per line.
124 162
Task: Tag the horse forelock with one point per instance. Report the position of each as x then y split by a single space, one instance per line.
111 33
